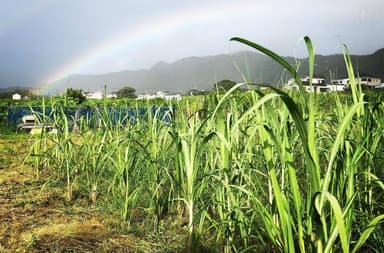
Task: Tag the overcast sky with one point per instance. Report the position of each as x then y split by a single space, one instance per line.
45 40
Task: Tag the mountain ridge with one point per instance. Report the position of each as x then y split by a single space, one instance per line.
201 72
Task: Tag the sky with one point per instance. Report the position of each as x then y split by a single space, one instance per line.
42 41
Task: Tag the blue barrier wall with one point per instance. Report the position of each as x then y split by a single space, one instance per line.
115 114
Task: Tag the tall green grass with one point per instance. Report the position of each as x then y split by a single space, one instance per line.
272 171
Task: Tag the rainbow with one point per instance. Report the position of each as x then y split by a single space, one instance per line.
162 24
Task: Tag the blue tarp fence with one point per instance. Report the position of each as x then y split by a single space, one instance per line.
92 114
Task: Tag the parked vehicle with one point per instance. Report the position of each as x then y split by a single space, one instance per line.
29 122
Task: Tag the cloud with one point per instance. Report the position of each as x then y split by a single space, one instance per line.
43 40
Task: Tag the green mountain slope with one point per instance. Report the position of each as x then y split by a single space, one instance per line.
203 72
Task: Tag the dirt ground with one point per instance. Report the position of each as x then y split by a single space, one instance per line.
35 217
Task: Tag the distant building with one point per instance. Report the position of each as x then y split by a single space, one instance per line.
366 81
160 94
16 96
337 87
145 96
369 81
316 80
177 97
94 95
318 85
195 92
344 81
111 95
255 86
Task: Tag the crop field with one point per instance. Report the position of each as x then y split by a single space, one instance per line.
261 171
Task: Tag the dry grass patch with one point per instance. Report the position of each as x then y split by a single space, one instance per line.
69 236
